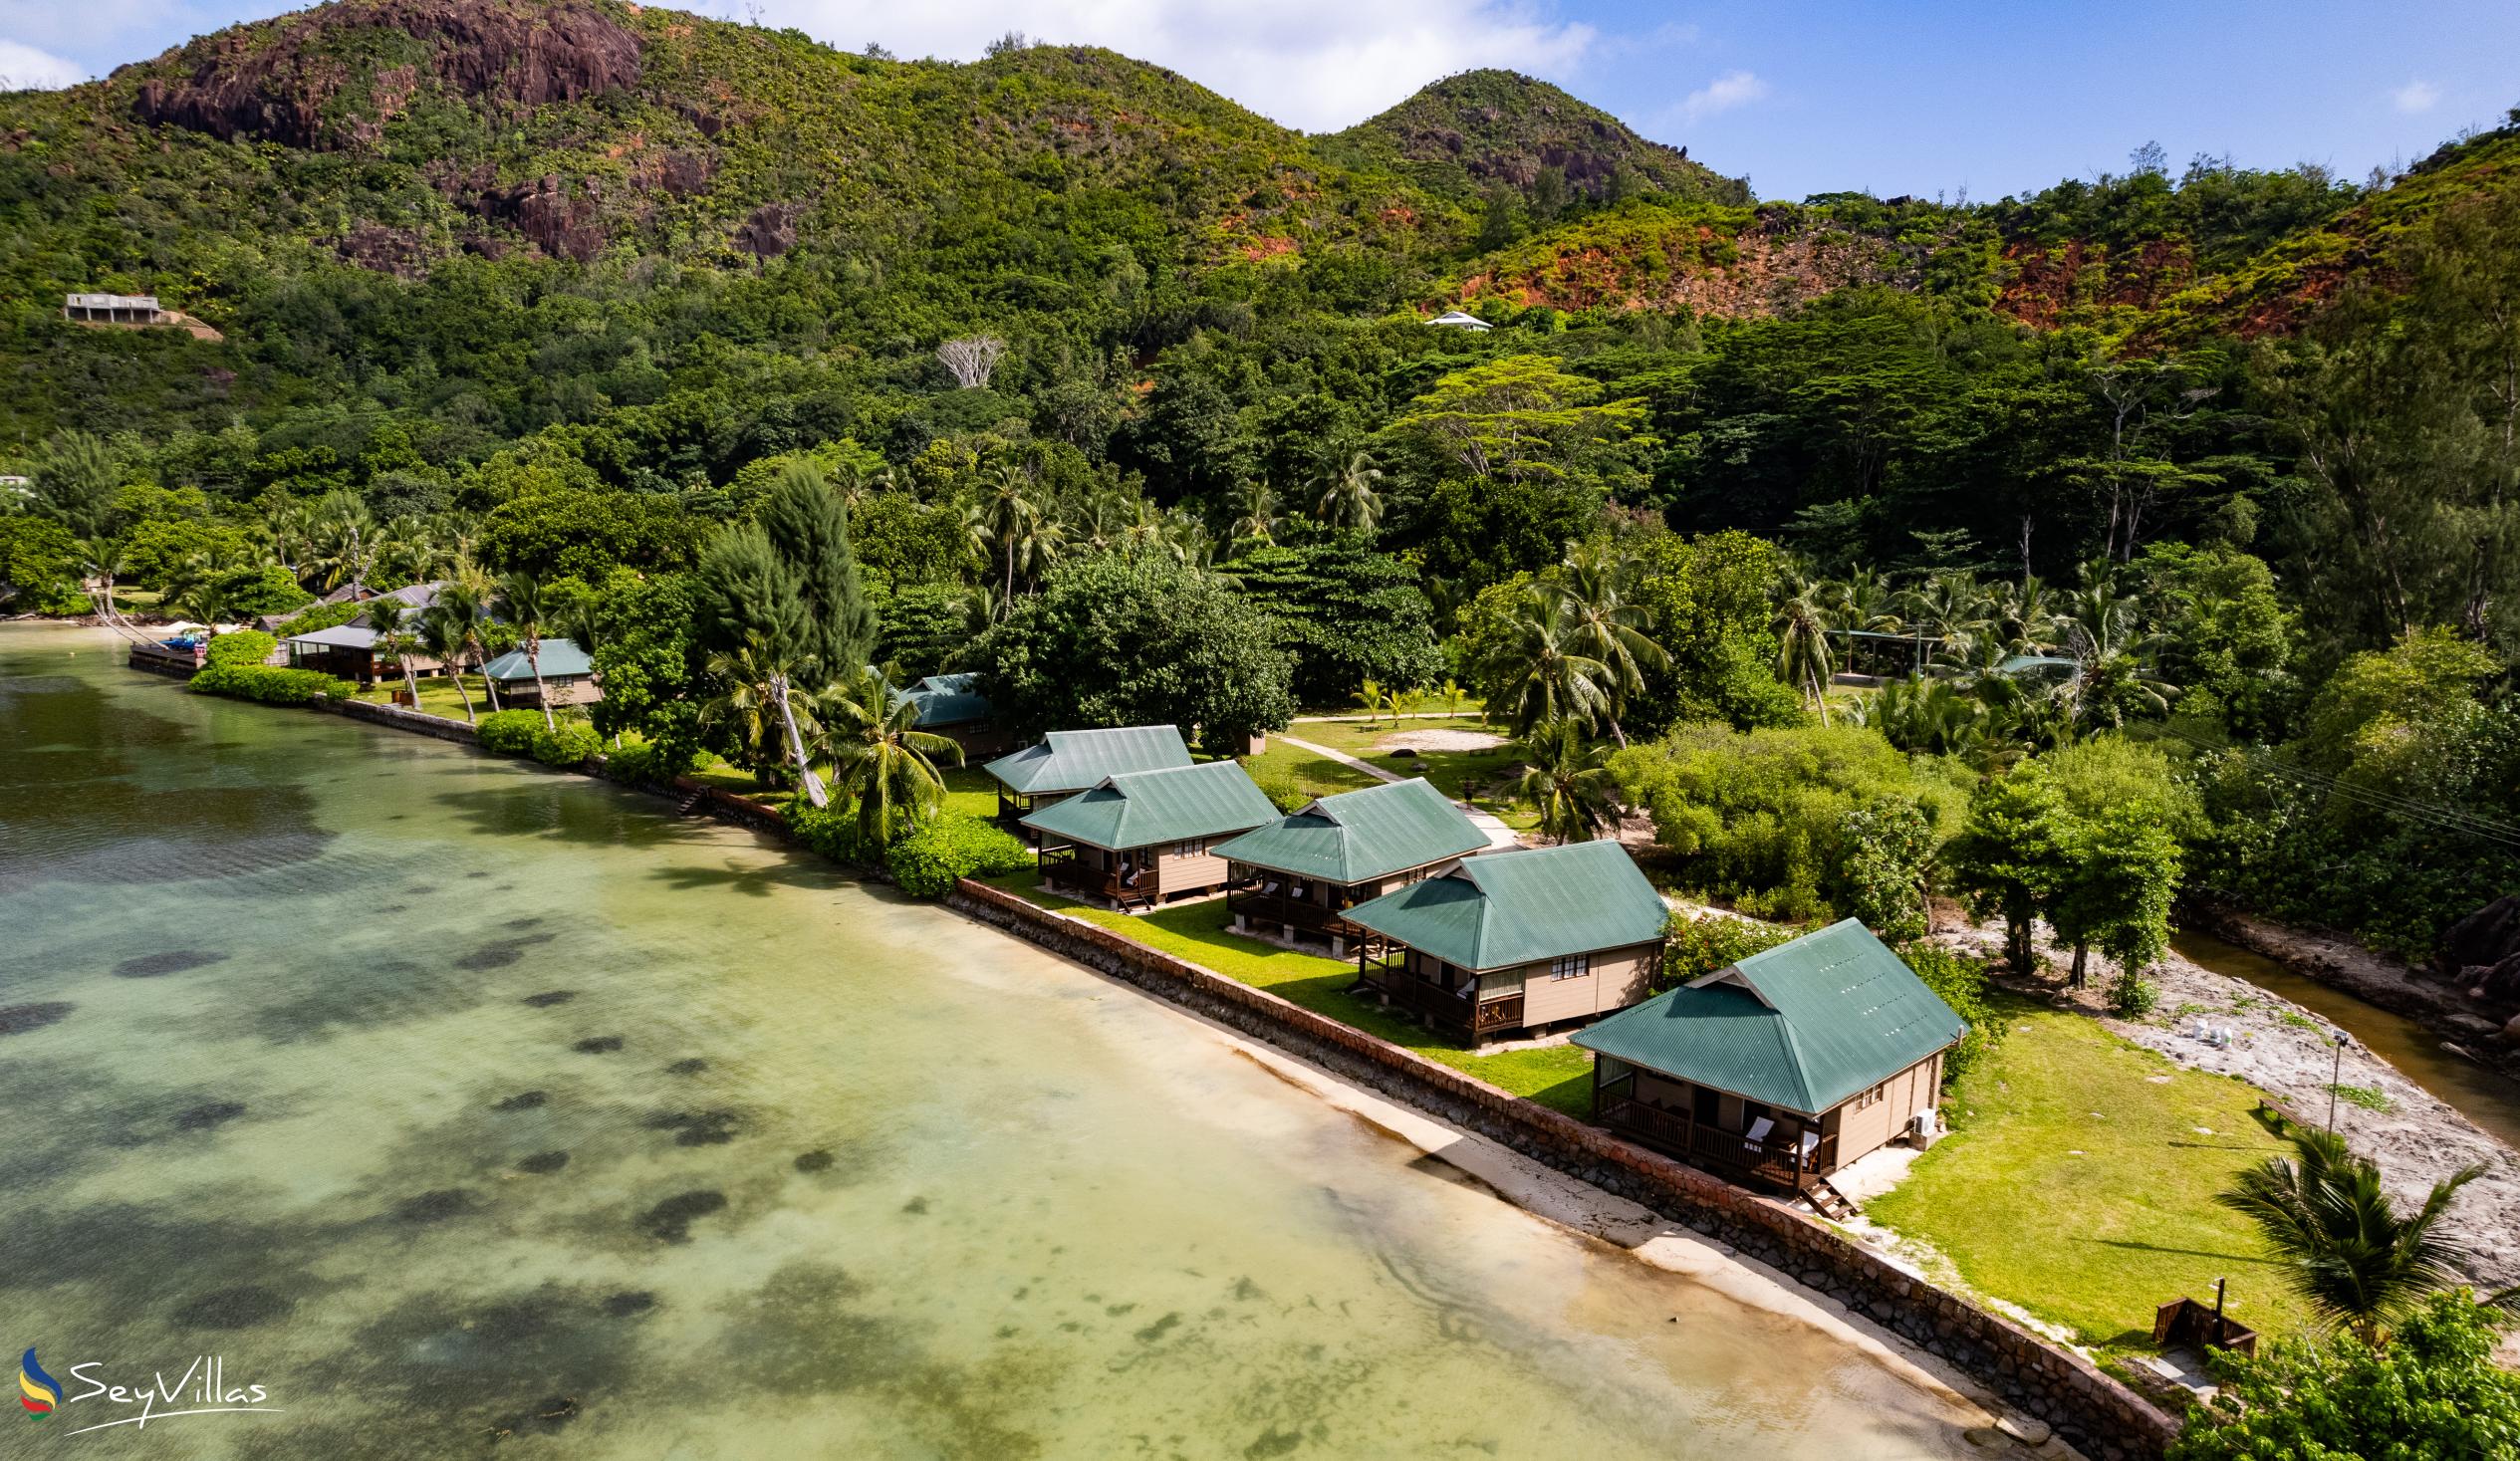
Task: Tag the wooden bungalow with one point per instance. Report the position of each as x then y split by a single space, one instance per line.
1782 1069
1298 875
1144 837
951 705
344 651
1067 762
567 676
1505 942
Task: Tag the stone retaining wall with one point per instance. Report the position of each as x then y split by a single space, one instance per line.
400 718
2093 1412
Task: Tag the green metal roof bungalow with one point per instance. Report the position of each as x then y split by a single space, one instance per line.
1785 1066
1512 941
952 706
1299 874
1144 837
1067 762
567 676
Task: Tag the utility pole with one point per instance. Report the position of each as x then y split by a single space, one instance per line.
2337 1076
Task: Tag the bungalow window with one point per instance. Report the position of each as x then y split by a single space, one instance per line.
1573 966
1194 847
1872 1098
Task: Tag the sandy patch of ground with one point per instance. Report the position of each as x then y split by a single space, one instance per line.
1439 740
2417 1141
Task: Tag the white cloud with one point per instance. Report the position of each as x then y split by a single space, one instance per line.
23 68
2415 95
1319 65
1724 92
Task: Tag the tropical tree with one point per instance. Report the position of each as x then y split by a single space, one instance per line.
2340 1237
1010 518
1541 672
1255 513
390 619
447 637
1591 589
345 536
464 602
1802 645
745 706
524 601
1350 497
1570 784
870 733
752 613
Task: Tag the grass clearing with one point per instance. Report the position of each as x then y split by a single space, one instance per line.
1559 1076
2079 1186
1312 775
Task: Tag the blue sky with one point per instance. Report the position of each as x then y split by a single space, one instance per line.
1921 97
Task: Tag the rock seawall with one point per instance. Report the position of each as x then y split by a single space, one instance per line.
2093 1412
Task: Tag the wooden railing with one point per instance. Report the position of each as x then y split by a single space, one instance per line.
1279 908
1071 874
1453 1014
1779 1160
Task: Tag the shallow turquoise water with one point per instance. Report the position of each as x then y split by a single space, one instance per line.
476 1110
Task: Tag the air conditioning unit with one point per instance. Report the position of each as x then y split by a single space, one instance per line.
1924 1128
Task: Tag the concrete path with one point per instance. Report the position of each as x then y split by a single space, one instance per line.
1498 834
1362 719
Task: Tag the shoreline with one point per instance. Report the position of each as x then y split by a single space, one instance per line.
2001 1355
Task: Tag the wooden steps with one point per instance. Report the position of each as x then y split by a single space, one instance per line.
1828 1201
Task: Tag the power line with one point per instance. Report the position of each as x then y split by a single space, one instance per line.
2434 813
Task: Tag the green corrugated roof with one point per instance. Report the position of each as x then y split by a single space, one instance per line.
560 657
1071 761
948 699
1507 908
1362 834
1143 808
1803 1026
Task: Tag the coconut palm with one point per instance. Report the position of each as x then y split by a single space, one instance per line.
869 732
447 637
389 618
464 602
1592 591
525 603
1255 513
1543 672
1952 607
745 704
1010 517
2340 1237
1801 644
345 536
1350 496
1570 785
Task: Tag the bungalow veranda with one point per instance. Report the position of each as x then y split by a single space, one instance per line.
1299 874
1145 838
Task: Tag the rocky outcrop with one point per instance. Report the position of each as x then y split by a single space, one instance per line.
284 86
769 232
2483 953
562 223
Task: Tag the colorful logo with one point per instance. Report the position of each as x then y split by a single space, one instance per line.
37 1391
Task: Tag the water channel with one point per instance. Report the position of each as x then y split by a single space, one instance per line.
2486 1097
475 1109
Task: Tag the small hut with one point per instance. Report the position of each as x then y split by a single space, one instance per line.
567 676
1299 874
1067 762
1144 837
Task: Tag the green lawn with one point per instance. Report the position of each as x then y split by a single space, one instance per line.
969 791
2087 1220
1559 1076
1312 775
438 696
1490 774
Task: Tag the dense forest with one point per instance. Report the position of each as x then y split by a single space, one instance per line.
2182 489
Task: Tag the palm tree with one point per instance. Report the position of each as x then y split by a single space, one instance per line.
389 618
1591 589
1349 497
346 540
1802 645
1373 697
1953 607
525 602
447 637
1570 785
464 602
1542 673
1256 513
745 703
2338 1234
880 755
1010 516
